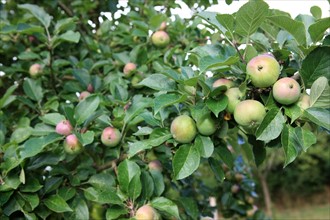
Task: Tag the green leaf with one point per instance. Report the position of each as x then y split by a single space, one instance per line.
225 155
65 24
126 171
250 16
34 146
139 103
80 208
165 100
159 82
28 55
320 93
102 180
166 207
185 161
227 21
316 12
52 118
217 169
148 185
31 199
204 145
293 112
295 28
259 153
22 28
217 62
317 30
86 107
21 134
306 138
190 206
33 89
39 13
271 126
319 116
158 182
114 212
5 97
103 196
57 204
69 36
217 106
210 17
315 65
135 187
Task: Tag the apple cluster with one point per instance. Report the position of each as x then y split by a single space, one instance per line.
71 142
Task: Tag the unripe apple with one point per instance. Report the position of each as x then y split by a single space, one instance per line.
286 91
304 101
250 199
183 129
35 70
249 113
234 96
129 69
83 95
235 188
97 212
223 82
136 79
72 144
110 137
155 165
90 88
263 70
160 39
162 26
206 125
239 177
64 128
146 212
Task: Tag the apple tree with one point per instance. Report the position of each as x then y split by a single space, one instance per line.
116 112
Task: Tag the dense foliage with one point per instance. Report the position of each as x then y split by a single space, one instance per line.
82 134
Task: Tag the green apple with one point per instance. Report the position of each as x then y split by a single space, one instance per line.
234 96
223 82
263 70
147 212
183 129
304 101
110 137
206 125
97 212
72 144
160 39
286 91
249 113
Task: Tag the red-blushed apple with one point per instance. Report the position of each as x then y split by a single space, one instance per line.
206 125
64 128
147 212
155 165
72 144
286 91
263 70
162 26
249 113
304 101
129 69
160 39
234 96
35 70
83 95
110 137
183 129
223 82
90 88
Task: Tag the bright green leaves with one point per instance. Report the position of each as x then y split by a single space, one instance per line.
129 178
320 93
216 62
250 16
39 13
166 207
159 82
317 29
315 65
33 89
164 100
185 161
102 195
319 116
57 204
85 108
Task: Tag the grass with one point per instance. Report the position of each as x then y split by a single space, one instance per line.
310 212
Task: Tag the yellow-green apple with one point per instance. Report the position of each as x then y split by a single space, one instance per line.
110 136
72 144
263 70
249 113
223 82
183 129
206 125
160 39
147 212
234 96
64 128
286 91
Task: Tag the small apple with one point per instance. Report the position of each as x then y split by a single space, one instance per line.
286 91
97 212
155 165
83 95
249 113
160 39
263 70
72 144
239 177
206 125
234 96
162 26
183 129
223 82
147 212
90 88
35 70
64 128
304 101
110 137
129 69
234 188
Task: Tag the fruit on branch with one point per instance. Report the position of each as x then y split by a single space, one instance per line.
304 101
64 128
286 91
235 96
234 188
162 26
160 39
239 177
206 125
110 137
147 212
155 165
183 129
249 113
129 69
72 144
35 70
83 95
223 82
263 70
